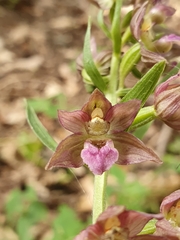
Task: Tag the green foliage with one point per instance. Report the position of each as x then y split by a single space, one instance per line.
24 210
89 64
131 194
129 60
30 147
173 147
144 88
48 106
40 131
66 225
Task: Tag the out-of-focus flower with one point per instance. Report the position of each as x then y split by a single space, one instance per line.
142 26
118 223
167 101
103 4
169 227
102 61
99 138
170 208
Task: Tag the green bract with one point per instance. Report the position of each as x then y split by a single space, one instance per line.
39 129
146 85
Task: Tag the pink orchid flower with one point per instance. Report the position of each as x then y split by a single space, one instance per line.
99 138
169 227
118 223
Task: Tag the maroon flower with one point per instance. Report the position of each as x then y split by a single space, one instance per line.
167 102
118 223
99 138
142 26
169 227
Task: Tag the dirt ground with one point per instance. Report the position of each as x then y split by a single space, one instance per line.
39 42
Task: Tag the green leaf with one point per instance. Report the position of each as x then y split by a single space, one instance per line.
66 225
127 19
144 116
116 27
39 129
129 60
89 65
146 85
102 25
149 227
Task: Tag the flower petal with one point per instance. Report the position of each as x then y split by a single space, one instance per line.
163 86
169 201
93 232
122 115
165 229
117 223
149 237
101 159
132 150
173 38
73 121
97 100
137 20
67 153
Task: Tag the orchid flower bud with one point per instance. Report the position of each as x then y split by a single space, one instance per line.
159 12
167 102
102 60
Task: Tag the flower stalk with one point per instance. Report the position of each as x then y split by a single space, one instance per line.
99 198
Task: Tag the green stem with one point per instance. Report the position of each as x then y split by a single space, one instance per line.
99 200
114 77
116 40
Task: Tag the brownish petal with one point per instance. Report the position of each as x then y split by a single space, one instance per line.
137 20
132 150
169 201
68 152
97 100
74 121
166 230
121 115
93 232
150 237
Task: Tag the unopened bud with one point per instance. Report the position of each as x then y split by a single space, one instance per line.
167 102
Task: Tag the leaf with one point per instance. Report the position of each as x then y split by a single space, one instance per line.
116 27
146 85
40 131
129 60
89 65
149 227
66 224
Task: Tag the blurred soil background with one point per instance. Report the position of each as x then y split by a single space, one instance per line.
39 42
